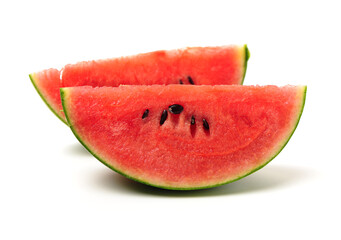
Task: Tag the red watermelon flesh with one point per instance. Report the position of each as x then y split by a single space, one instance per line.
47 84
236 130
195 65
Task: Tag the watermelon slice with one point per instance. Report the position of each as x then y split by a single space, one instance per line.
181 136
47 83
196 65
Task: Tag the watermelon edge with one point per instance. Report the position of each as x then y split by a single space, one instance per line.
285 142
246 59
33 80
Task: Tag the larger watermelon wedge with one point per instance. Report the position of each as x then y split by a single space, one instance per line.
184 137
196 65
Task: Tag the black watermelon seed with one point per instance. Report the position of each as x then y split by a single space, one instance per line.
205 124
163 117
181 82
192 120
190 80
176 108
145 114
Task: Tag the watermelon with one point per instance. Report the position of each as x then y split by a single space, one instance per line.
182 136
47 84
195 65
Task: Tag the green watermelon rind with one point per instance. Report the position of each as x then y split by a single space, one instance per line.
285 142
246 59
44 99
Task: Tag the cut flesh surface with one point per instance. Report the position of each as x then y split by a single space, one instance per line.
246 127
195 65
47 83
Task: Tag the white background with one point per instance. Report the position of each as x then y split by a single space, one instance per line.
52 188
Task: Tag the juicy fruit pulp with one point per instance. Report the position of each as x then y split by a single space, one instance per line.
222 134
47 83
196 65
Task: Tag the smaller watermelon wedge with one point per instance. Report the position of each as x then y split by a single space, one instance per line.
47 83
192 65
184 137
